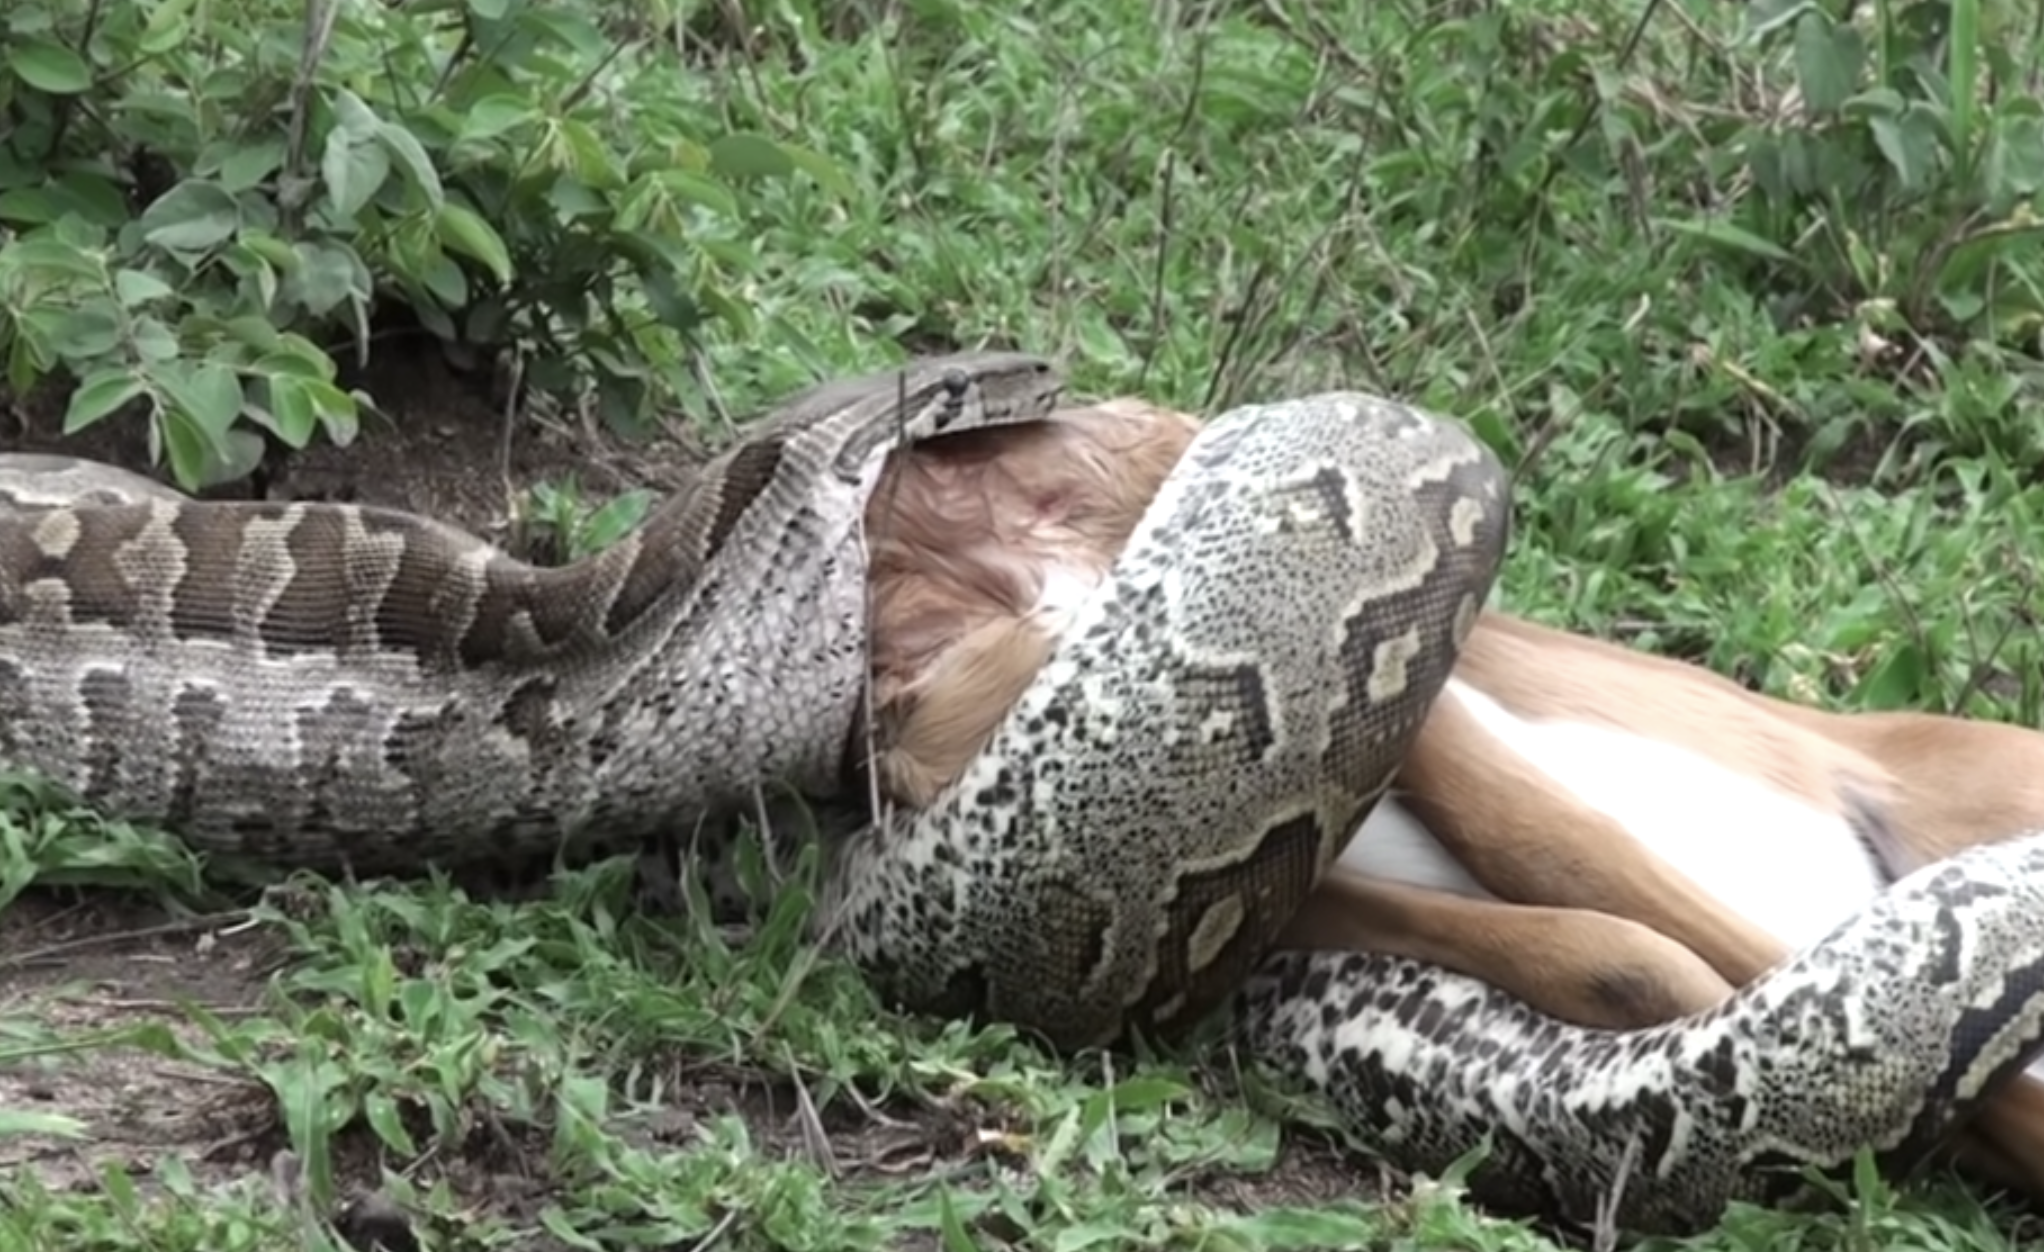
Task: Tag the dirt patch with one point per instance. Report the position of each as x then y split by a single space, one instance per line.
103 966
440 440
97 966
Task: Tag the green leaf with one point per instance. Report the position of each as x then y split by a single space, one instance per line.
493 115
272 249
250 164
98 394
151 340
93 197
956 1237
166 28
312 359
463 230
292 364
92 329
568 28
447 282
381 1111
1303 1228
256 272
1910 142
328 275
673 306
193 216
190 449
292 413
405 148
1148 1092
573 199
1763 17
698 190
54 1125
354 171
588 155
737 314
139 287
207 392
820 168
258 333
43 326
337 409
432 317
29 206
47 65
243 451
743 155
1723 233
355 116
1828 61
1898 682
59 272
617 518
2015 157
47 252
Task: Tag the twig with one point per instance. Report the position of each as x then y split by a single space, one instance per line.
70 947
319 28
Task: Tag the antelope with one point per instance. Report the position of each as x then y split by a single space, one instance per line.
1617 839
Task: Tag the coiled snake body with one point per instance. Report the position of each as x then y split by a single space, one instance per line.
324 685
328 685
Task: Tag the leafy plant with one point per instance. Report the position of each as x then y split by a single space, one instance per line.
569 527
1904 171
204 205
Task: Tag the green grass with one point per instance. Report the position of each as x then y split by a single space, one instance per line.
1779 432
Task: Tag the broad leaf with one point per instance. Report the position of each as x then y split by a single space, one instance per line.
193 216
743 155
98 394
354 170
463 230
47 65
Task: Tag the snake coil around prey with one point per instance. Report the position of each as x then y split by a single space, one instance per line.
325 684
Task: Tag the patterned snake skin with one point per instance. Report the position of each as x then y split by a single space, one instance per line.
1883 1034
333 685
329 686
1212 728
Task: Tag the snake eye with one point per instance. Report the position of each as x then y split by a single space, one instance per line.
956 387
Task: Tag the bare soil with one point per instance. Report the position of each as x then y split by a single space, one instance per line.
438 441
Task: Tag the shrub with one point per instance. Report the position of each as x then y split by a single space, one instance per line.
203 206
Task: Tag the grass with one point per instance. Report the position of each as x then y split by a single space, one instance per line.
1753 428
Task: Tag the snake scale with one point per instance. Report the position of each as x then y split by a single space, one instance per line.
328 685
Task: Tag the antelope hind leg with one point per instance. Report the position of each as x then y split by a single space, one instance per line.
1622 937
1578 965
1528 843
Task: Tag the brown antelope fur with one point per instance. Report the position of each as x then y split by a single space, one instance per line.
1529 843
973 535
966 534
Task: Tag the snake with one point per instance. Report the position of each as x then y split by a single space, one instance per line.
326 685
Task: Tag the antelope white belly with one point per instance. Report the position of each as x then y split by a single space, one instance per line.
1786 865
